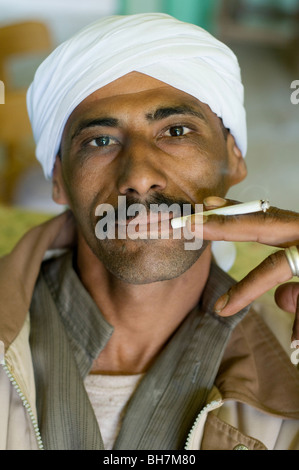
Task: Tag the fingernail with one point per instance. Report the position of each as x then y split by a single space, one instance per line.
214 201
200 219
197 220
221 303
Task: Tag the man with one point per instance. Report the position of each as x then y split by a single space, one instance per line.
124 346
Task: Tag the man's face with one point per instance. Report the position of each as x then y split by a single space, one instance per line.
143 139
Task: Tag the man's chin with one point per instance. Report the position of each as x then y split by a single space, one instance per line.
146 261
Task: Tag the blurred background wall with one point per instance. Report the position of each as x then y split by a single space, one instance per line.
263 33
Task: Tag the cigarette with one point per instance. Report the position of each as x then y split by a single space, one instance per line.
237 209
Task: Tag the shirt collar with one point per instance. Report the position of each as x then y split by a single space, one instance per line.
86 327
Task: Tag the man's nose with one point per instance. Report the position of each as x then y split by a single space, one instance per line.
141 169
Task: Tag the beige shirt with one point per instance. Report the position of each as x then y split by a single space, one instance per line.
109 395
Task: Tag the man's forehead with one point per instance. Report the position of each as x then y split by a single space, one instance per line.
136 83
129 83
155 99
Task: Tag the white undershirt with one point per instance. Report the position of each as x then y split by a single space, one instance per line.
109 395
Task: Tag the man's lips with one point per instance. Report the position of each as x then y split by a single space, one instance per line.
151 218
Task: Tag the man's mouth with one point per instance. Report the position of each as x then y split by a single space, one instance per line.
136 220
150 218
149 225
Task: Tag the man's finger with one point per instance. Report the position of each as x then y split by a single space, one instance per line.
272 271
276 227
287 298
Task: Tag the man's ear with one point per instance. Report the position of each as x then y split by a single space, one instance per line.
237 169
58 192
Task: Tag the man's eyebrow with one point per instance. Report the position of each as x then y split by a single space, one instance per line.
104 122
157 115
165 112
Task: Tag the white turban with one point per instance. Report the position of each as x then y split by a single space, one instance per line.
180 54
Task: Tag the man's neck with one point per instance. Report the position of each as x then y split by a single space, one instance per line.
143 316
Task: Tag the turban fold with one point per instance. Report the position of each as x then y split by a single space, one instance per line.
180 54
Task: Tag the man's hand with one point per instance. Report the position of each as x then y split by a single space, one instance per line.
276 227
19 269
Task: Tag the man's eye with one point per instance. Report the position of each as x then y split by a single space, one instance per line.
177 131
103 141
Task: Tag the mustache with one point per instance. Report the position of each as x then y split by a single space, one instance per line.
153 204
